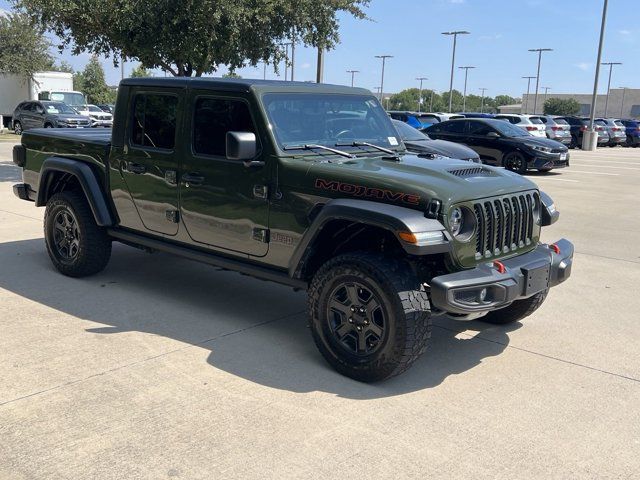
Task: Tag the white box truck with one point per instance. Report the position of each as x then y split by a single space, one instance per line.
43 86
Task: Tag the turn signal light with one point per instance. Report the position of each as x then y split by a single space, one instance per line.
499 266
408 237
555 248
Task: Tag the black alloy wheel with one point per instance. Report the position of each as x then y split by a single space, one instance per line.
356 318
515 162
66 236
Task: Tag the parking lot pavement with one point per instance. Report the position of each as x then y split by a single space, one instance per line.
163 368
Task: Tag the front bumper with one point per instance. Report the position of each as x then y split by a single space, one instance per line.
484 288
548 161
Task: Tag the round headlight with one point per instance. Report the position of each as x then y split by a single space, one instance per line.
456 221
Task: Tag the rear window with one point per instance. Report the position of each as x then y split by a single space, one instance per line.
561 121
618 123
537 121
602 123
154 121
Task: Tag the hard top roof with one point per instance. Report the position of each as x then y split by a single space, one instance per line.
242 85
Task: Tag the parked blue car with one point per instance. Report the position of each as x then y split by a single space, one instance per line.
415 119
633 132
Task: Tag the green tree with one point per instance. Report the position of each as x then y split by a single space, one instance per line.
78 81
231 74
23 48
560 106
501 100
191 37
94 85
140 72
408 100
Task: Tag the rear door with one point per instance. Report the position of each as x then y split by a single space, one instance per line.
148 162
223 203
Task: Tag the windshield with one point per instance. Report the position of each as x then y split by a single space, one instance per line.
328 119
70 98
408 133
509 130
59 107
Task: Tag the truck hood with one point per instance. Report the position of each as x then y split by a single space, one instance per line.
412 181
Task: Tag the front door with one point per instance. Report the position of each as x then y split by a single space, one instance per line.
148 162
486 146
223 203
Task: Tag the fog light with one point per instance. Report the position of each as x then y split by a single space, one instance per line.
482 295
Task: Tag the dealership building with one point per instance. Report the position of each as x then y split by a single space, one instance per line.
623 103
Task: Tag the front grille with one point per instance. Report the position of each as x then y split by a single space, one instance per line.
505 224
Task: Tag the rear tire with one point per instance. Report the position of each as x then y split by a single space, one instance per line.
77 246
516 311
369 316
515 162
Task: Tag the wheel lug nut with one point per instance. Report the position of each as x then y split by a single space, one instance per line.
359 328
350 320
366 322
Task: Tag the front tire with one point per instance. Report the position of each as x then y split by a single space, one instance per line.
369 316
17 128
515 162
516 311
77 246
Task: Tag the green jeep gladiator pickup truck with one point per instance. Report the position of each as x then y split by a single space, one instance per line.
306 185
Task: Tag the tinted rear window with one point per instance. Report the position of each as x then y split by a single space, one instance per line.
537 121
618 123
561 121
602 123
154 121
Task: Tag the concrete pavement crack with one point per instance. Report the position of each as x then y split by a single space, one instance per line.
147 359
21 215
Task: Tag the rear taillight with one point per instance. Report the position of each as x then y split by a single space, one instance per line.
531 129
583 128
556 129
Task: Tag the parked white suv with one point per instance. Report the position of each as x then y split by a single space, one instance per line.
532 125
99 118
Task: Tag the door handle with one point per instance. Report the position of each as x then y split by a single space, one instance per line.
136 168
192 179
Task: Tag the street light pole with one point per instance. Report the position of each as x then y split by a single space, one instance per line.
453 60
606 102
421 79
624 91
482 102
353 73
590 139
539 50
464 96
526 104
384 59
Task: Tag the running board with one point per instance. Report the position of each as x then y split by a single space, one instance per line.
225 263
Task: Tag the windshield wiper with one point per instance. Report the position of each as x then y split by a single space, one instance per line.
313 146
367 144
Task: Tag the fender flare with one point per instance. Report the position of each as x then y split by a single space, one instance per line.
88 181
389 217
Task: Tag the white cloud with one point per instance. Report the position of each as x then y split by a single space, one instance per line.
624 32
304 66
584 66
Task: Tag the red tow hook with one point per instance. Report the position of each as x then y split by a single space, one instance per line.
499 266
555 248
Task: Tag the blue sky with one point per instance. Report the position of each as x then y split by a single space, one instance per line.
501 33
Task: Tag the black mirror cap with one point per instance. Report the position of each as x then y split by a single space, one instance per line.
241 145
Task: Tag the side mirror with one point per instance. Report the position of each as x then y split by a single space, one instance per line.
241 145
493 135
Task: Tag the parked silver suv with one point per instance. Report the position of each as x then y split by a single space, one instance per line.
46 114
555 128
616 129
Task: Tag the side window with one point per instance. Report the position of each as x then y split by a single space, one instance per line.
154 120
213 118
456 127
479 128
